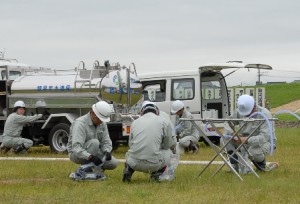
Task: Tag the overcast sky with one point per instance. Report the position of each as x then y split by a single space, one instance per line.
155 34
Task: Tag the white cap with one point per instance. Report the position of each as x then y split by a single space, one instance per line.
102 111
176 106
245 105
19 104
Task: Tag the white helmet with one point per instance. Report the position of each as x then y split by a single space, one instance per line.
19 104
176 106
245 104
149 105
102 111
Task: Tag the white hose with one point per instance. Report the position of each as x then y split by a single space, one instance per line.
287 111
272 136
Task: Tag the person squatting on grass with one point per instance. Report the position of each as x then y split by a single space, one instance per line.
89 139
259 144
187 134
149 144
13 128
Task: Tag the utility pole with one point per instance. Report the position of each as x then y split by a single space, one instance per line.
258 82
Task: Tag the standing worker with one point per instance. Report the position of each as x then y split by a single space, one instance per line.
186 132
13 128
89 139
259 144
149 144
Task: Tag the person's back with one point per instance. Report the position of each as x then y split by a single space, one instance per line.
149 144
146 137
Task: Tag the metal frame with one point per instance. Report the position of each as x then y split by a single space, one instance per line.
222 151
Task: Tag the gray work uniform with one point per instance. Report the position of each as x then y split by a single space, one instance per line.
13 128
149 143
166 117
259 143
187 131
86 139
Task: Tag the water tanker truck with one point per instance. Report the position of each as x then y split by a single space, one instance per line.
64 95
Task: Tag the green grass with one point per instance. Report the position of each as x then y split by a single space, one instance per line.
287 117
48 182
280 94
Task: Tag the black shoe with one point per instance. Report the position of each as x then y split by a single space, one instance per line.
127 173
4 150
261 166
195 148
155 175
19 148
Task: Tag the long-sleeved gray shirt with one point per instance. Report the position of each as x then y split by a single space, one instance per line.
261 136
149 135
187 128
83 130
14 124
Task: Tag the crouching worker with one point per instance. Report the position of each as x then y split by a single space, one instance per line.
13 128
149 144
259 143
187 133
89 141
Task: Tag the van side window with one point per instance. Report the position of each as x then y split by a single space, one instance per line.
183 89
154 91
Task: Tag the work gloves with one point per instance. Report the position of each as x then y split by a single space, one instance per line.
97 161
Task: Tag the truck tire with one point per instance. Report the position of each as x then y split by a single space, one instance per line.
58 137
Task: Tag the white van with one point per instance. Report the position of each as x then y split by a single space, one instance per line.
203 90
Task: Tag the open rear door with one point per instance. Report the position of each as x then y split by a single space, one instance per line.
214 93
233 65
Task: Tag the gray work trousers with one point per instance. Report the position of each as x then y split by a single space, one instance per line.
148 166
92 147
11 142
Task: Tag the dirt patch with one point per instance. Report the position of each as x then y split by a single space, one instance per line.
293 106
287 124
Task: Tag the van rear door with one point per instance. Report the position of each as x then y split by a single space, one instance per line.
214 93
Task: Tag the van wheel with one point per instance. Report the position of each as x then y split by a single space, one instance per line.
58 137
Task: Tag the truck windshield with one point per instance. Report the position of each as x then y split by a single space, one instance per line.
12 75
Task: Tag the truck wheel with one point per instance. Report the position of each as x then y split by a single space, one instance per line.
58 137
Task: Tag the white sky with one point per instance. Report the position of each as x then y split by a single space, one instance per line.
155 34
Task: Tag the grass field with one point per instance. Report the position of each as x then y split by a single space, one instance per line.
280 94
48 182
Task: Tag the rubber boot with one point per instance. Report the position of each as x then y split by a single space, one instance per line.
127 173
234 161
18 149
155 175
261 166
4 150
